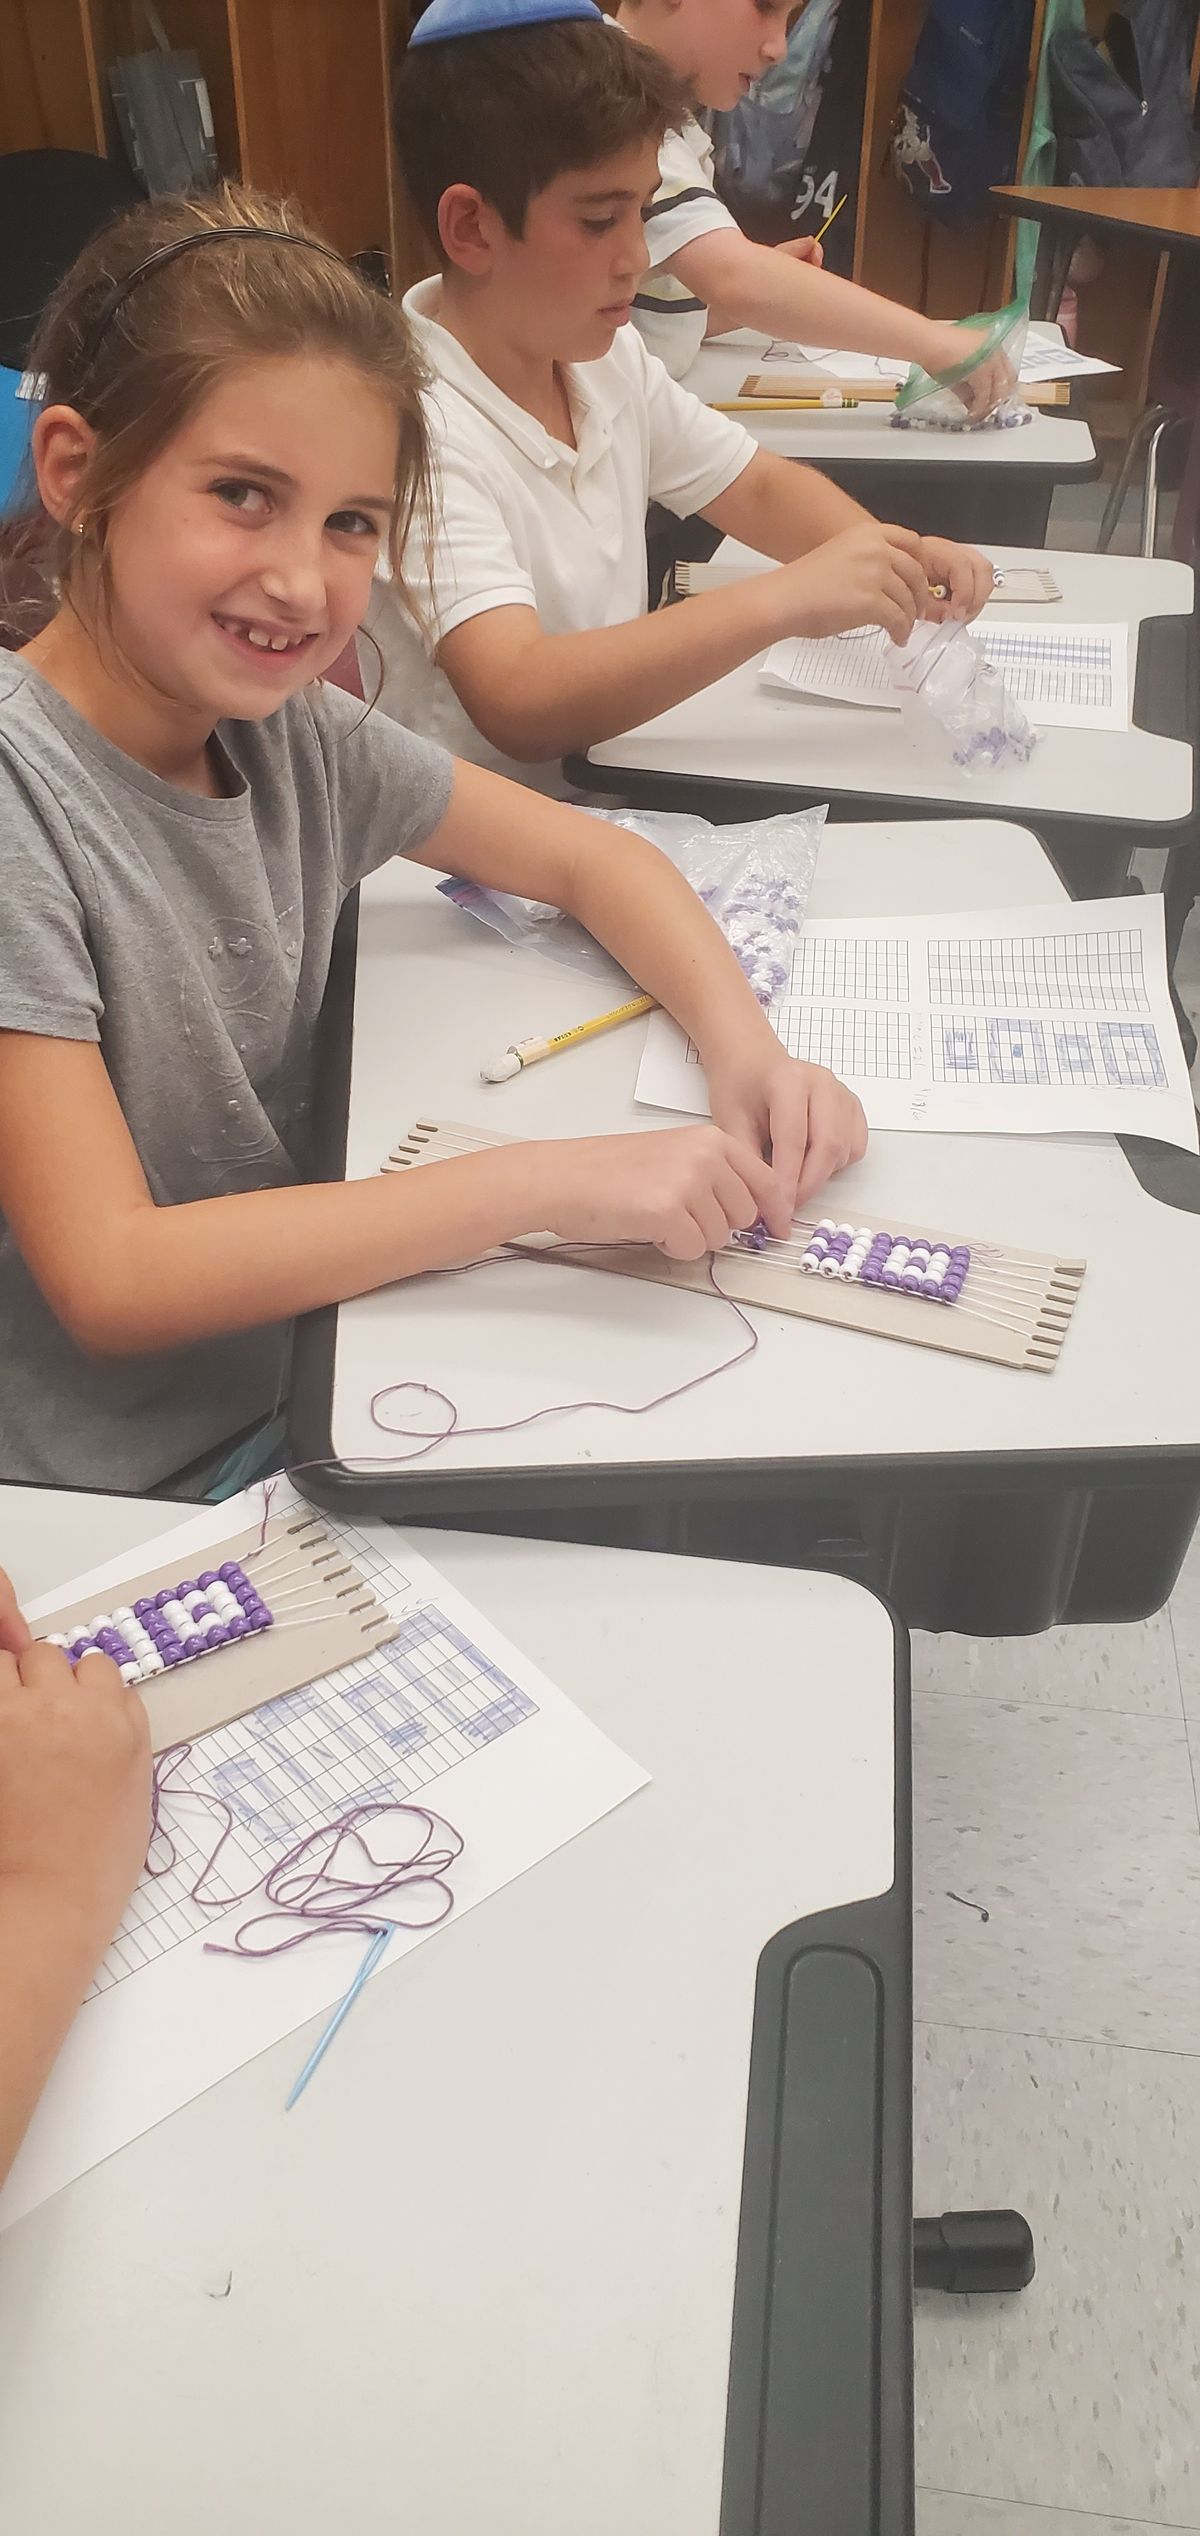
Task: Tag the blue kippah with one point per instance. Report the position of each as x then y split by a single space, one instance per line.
444 20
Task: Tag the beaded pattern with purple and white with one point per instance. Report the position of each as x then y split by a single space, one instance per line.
173 1627
901 1263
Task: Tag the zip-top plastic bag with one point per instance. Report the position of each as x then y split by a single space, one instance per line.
982 392
950 689
753 878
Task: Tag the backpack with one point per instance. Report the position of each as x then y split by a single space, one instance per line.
1125 119
957 128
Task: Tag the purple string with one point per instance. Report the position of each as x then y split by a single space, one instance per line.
425 1443
303 1885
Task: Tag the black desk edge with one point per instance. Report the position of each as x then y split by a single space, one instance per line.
819 2424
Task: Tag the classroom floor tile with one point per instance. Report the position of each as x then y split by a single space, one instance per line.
1076 1831
960 2514
1082 2394
1131 1670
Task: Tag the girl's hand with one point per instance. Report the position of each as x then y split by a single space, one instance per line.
812 1126
685 1189
966 575
74 1784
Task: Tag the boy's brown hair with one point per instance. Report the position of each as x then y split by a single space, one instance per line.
509 112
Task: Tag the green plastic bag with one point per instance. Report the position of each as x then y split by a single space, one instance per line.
981 392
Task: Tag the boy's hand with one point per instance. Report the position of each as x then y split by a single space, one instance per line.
811 1124
685 1189
805 250
868 575
74 1784
966 575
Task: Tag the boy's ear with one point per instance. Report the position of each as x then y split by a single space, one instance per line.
468 227
62 447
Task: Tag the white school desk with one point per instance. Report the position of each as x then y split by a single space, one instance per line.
967 484
975 1496
1091 795
481 2281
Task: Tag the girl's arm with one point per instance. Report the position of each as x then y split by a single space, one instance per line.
148 1276
74 1824
788 296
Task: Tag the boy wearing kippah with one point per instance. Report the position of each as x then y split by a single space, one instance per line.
528 133
706 275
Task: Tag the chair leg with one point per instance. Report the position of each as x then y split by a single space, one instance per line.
1150 485
1145 424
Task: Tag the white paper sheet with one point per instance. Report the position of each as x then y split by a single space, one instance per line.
1067 677
448 1715
1040 362
1030 1021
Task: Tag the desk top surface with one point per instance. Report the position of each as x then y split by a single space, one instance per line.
1164 215
1059 443
483 2275
739 730
437 996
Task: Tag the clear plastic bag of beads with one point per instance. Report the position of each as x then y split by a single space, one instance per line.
981 393
950 691
754 878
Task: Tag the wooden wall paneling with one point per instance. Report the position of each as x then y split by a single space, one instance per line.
48 93
411 255
309 80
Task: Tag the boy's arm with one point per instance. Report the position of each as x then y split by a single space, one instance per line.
785 510
781 294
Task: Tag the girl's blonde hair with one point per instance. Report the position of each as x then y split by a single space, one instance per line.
137 369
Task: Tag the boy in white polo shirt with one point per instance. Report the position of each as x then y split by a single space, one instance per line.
531 149
706 275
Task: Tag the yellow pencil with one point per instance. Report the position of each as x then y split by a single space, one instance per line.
785 405
531 1051
828 224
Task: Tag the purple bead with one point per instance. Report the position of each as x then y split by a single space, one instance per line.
210 1577
142 1610
168 1595
188 1586
258 1616
214 1637
232 1574
911 1280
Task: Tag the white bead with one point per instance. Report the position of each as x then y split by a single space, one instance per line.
865 1236
827 1225
130 1672
54 1640
173 1613
151 1663
123 1615
848 1230
899 1257
830 1268
103 1620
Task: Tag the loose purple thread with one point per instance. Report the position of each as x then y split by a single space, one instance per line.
303 1885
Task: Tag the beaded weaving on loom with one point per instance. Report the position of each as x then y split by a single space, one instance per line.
1011 1307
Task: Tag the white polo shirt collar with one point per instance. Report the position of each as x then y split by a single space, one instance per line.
589 391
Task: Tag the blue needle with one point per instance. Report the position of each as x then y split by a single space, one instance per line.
321 2046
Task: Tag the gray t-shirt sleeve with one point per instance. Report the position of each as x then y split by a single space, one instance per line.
388 789
48 982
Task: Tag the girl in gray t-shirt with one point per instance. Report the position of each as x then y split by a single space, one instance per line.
231 430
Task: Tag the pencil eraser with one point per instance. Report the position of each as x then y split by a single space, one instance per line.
503 1069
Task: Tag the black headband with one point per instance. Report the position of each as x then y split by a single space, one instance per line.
119 293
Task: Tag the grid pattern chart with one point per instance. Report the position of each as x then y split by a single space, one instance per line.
872 1045
390 1725
852 971
1043 668
1098 972
1124 1056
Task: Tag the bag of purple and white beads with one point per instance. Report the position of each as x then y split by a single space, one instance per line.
950 689
754 879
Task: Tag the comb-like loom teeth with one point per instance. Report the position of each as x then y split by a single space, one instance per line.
857 1276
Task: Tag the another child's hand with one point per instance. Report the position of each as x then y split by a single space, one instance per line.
685 1189
805 250
74 1783
868 575
965 574
811 1124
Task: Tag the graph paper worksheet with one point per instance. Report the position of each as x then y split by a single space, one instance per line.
1031 1021
446 1715
1065 676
